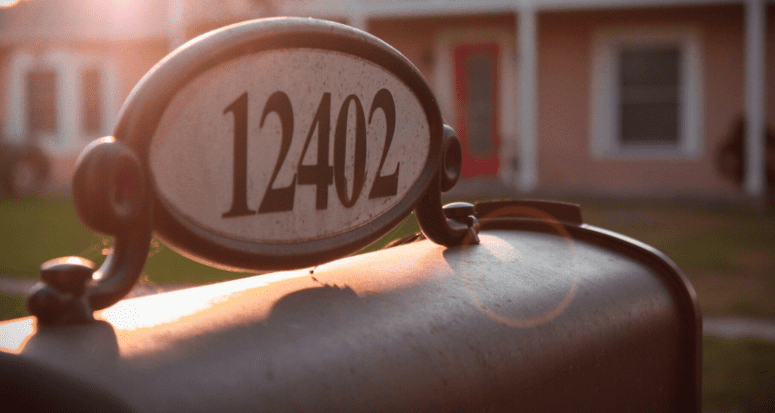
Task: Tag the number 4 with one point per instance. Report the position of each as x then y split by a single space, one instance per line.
320 174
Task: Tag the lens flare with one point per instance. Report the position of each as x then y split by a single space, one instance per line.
507 253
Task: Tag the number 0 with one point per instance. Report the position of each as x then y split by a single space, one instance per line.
340 146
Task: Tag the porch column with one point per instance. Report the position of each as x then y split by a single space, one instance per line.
359 21
527 33
357 14
16 97
68 136
176 28
755 87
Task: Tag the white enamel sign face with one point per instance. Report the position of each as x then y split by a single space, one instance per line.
289 146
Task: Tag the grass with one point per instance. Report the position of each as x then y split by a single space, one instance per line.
35 231
38 230
738 375
12 306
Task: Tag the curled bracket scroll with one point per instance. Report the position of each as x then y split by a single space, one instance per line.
111 197
454 224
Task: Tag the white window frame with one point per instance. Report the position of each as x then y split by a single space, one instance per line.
69 136
605 136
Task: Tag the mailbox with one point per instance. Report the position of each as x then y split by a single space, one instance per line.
288 144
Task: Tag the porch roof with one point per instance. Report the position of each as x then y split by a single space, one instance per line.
91 20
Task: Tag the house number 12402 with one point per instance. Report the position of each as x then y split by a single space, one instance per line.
321 174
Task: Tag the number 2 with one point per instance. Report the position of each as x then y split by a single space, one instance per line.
385 185
279 199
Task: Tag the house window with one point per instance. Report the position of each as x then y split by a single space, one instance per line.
92 102
41 101
60 99
646 95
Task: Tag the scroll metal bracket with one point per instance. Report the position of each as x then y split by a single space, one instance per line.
111 197
456 223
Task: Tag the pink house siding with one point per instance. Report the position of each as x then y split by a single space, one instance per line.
564 159
5 52
136 58
133 58
415 37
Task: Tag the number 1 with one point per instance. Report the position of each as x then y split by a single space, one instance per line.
239 197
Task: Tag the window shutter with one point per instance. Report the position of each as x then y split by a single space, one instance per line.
92 102
42 101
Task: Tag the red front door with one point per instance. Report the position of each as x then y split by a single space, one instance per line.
476 80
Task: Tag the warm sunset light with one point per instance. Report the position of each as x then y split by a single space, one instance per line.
8 3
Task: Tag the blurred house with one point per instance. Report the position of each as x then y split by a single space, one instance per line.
67 65
616 98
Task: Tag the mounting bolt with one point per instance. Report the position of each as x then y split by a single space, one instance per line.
67 274
464 213
459 211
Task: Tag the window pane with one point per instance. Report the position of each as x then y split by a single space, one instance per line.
649 95
650 66
42 101
645 123
92 108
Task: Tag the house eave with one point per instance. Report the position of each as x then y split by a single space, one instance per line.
83 20
381 9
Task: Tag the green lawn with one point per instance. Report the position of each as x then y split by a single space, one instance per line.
38 230
738 375
12 306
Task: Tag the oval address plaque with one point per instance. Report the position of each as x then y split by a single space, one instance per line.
282 143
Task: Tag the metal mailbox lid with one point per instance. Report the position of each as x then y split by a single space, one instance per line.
537 317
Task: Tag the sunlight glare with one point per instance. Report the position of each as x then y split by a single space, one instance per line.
8 3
